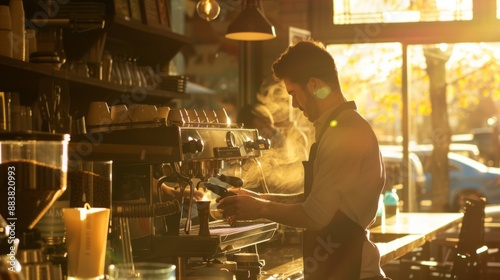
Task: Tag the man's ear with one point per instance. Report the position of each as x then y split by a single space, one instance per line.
314 84
311 86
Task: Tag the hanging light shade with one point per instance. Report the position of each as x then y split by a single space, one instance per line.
251 24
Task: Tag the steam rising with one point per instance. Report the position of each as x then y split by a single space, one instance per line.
282 164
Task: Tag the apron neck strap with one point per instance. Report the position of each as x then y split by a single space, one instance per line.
349 105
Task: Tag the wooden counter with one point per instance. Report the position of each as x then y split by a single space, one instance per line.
396 237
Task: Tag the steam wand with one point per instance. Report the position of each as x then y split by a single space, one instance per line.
187 226
176 177
260 144
265 188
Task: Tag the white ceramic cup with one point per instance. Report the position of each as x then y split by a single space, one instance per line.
143 112
175 118
98 114
163 112
211 116
202 116
222 117
193 117
119 114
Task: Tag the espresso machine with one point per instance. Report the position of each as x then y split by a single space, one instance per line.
190 149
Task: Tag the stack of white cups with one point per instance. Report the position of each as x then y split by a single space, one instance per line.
18 37
5 31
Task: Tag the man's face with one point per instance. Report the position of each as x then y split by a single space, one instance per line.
302 99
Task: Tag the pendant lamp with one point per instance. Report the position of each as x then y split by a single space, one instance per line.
251 24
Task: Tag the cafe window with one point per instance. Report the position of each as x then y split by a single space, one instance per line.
382 11
498 9
472 86
371 74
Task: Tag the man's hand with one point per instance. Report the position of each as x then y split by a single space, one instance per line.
241 207
177 194
242 191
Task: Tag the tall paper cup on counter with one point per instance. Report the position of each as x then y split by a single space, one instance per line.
86 236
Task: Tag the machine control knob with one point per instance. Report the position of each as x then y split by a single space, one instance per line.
192 146
259 144
230 139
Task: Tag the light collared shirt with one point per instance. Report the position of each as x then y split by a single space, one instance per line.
349 176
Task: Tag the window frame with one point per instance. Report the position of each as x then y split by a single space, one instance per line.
479 29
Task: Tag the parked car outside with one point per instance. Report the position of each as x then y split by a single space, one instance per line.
484 139
467 178
393 161
469 150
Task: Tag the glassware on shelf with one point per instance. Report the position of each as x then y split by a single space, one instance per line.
95 70
81 68
107 66
134 72
149 77
116 74
59 45
124 71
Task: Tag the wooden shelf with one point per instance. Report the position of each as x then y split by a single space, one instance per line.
23 77
153 46
142 32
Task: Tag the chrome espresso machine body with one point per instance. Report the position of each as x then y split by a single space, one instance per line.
186 154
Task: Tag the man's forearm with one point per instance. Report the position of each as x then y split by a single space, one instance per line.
290 214
283 198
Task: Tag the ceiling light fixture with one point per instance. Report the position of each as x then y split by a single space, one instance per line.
208 9
251 24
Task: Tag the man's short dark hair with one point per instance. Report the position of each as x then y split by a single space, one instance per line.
304 60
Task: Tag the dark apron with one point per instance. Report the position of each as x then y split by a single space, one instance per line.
333 252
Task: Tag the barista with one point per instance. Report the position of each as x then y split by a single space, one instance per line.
344 176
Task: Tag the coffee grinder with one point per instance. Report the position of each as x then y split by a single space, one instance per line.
34 168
